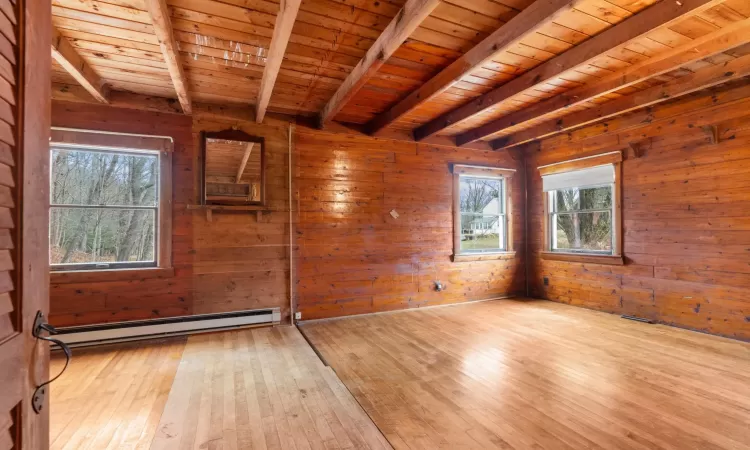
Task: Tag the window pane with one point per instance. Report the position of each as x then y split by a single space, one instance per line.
590 231
103 178
576 199
482 233
89 235
481 195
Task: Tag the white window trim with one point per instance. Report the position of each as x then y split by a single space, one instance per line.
474 171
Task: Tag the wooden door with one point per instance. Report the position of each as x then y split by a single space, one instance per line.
25 27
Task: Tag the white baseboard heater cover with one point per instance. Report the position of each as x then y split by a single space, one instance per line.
107 333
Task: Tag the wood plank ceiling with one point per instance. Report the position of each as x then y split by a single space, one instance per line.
467 70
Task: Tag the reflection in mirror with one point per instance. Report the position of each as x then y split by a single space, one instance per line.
233 169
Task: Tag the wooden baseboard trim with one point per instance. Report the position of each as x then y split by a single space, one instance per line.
404 310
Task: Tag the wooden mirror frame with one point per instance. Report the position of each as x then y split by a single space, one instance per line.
232 135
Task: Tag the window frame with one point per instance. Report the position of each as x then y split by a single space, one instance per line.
160 146
471 171
615 257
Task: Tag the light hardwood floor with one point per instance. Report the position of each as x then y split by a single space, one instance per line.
535 374
251 389
112 397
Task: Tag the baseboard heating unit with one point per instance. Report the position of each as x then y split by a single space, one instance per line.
107 333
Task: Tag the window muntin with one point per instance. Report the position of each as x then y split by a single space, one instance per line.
483 221
580 219
104 208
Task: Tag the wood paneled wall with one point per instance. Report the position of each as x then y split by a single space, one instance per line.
232 263
87 303
686 215
354 257
686 222
240 261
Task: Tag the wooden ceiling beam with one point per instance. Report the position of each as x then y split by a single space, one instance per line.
711 44
400 28
67 56
243 163
68 93
75 93
282 30
163 28
527 21
660 14
703 79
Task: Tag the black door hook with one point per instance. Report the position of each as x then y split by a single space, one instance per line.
41 326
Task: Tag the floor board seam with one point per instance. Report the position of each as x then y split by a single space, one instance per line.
333 371
312 346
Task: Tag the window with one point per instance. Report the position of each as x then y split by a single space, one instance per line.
581 219
581 207
482 214
482 211
109 206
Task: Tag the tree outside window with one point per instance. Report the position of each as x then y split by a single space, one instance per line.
104 209
581 219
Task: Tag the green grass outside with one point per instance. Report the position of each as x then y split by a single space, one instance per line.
480 243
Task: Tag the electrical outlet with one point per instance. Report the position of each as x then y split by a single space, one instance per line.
546 281
297 316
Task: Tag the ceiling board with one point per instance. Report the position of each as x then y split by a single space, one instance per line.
223 46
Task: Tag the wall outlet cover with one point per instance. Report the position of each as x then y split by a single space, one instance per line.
394 214
297 316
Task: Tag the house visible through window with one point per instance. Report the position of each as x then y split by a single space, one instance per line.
104 210
483 219
482 213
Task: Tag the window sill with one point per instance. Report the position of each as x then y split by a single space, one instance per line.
585 258
96 276
483 256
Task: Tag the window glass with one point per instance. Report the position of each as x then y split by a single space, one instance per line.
584 231
104 209
103 178
101 235
481 195
482 209
577 199
581 219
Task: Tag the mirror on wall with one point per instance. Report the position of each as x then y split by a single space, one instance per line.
233 168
